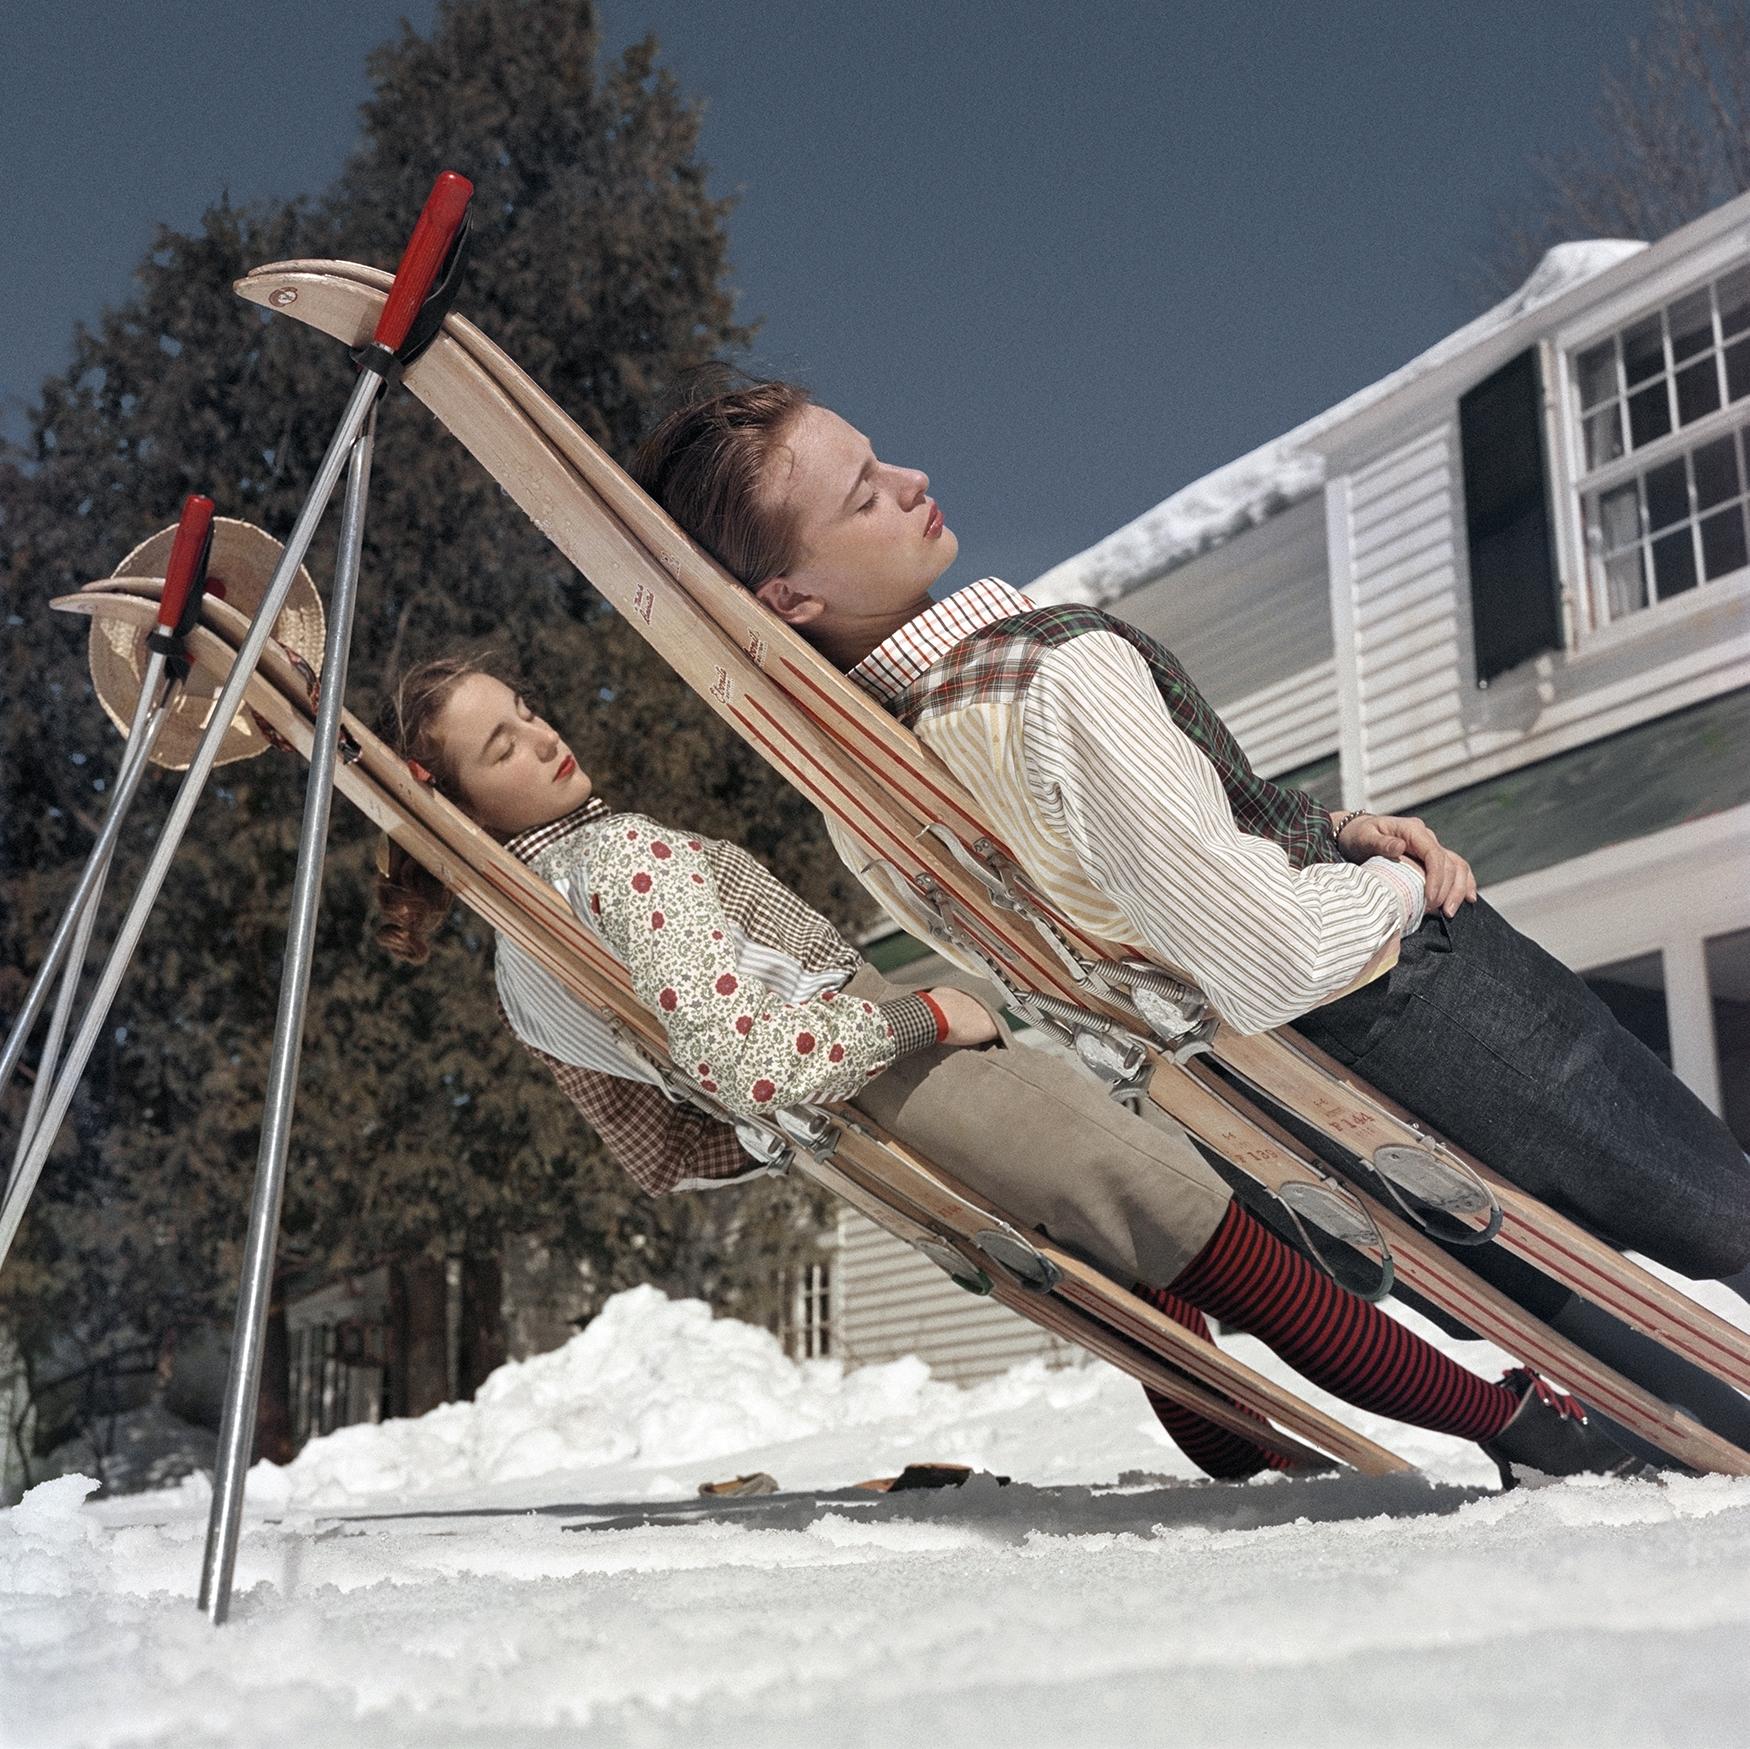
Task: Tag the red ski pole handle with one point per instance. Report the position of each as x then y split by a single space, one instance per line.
439 221
188 559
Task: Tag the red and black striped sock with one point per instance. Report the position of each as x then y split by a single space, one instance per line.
1247 1277
1212 1449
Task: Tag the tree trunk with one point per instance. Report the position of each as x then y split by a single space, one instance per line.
420 1313
481 1348
273 1408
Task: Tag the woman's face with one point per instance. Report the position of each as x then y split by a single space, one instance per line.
513 770
871 536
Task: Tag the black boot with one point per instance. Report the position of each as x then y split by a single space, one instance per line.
1550 1435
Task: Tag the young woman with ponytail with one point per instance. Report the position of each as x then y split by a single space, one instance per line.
766 1005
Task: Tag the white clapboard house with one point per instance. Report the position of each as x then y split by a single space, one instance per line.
1506 588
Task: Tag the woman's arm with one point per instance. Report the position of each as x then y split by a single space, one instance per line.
652 895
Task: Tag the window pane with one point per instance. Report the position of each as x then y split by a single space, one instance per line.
1722 542
1734 292
1674 563
1643 350
1716 472
1625 583
1738 371
1649 414
1692 325
1728 982
1634 991
1604 435
1698 390
1596 369
1667 495
1619 517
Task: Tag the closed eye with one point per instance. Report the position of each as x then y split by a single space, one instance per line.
868 504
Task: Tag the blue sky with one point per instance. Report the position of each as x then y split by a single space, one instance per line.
1065 258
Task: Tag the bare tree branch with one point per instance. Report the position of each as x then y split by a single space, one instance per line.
1675 142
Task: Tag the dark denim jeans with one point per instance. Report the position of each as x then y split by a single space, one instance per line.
1504 1050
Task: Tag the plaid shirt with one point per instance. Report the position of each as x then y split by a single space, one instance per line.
790 948
1000 660
1132 808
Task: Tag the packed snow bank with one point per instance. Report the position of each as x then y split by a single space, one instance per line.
1283 471
656 1391
1590 1613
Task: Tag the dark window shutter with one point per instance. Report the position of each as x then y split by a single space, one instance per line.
1515 610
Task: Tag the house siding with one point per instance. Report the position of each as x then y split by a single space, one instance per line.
1251 621
1415 723
895 1303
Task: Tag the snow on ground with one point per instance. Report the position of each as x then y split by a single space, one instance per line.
1285 470
537 1565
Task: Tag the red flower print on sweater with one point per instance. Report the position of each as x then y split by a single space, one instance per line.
661 914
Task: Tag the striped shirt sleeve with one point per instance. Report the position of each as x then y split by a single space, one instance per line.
1145 813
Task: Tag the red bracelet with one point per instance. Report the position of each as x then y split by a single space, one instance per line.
935 1008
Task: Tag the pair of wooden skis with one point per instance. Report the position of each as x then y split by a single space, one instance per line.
909 815
837 1146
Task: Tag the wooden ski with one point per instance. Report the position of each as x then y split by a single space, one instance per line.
882 1178
864 770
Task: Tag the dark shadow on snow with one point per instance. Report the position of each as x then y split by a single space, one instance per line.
1010 1512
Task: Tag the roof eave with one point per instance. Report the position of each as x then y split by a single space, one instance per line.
1448 379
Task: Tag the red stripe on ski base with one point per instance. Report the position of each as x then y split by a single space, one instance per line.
914 768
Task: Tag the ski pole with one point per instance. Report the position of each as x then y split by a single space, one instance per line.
178 608
431 255
255 1292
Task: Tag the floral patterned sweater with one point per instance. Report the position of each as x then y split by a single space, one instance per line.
745 978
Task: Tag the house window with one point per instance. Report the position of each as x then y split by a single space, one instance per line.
1728 979
807 1331
1660 405
1634 991
339 1376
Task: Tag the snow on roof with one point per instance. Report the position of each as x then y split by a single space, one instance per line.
1255 487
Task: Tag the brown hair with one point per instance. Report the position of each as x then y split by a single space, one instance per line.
412 900
705 461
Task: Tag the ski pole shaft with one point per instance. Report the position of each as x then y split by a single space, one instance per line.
134 763
243 1387
184 583
358 407
133 768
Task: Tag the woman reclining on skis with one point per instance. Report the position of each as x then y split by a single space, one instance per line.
766 1006
1134 811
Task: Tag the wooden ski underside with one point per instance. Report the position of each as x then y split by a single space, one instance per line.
879 1176
868 772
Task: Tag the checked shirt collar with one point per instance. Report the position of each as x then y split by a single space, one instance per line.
898 661
526 846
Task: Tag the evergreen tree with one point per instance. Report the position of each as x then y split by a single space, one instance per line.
599 262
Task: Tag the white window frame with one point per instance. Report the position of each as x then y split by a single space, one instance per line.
812 1315
1589 626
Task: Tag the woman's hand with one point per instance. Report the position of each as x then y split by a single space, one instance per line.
1448 880
969 1021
